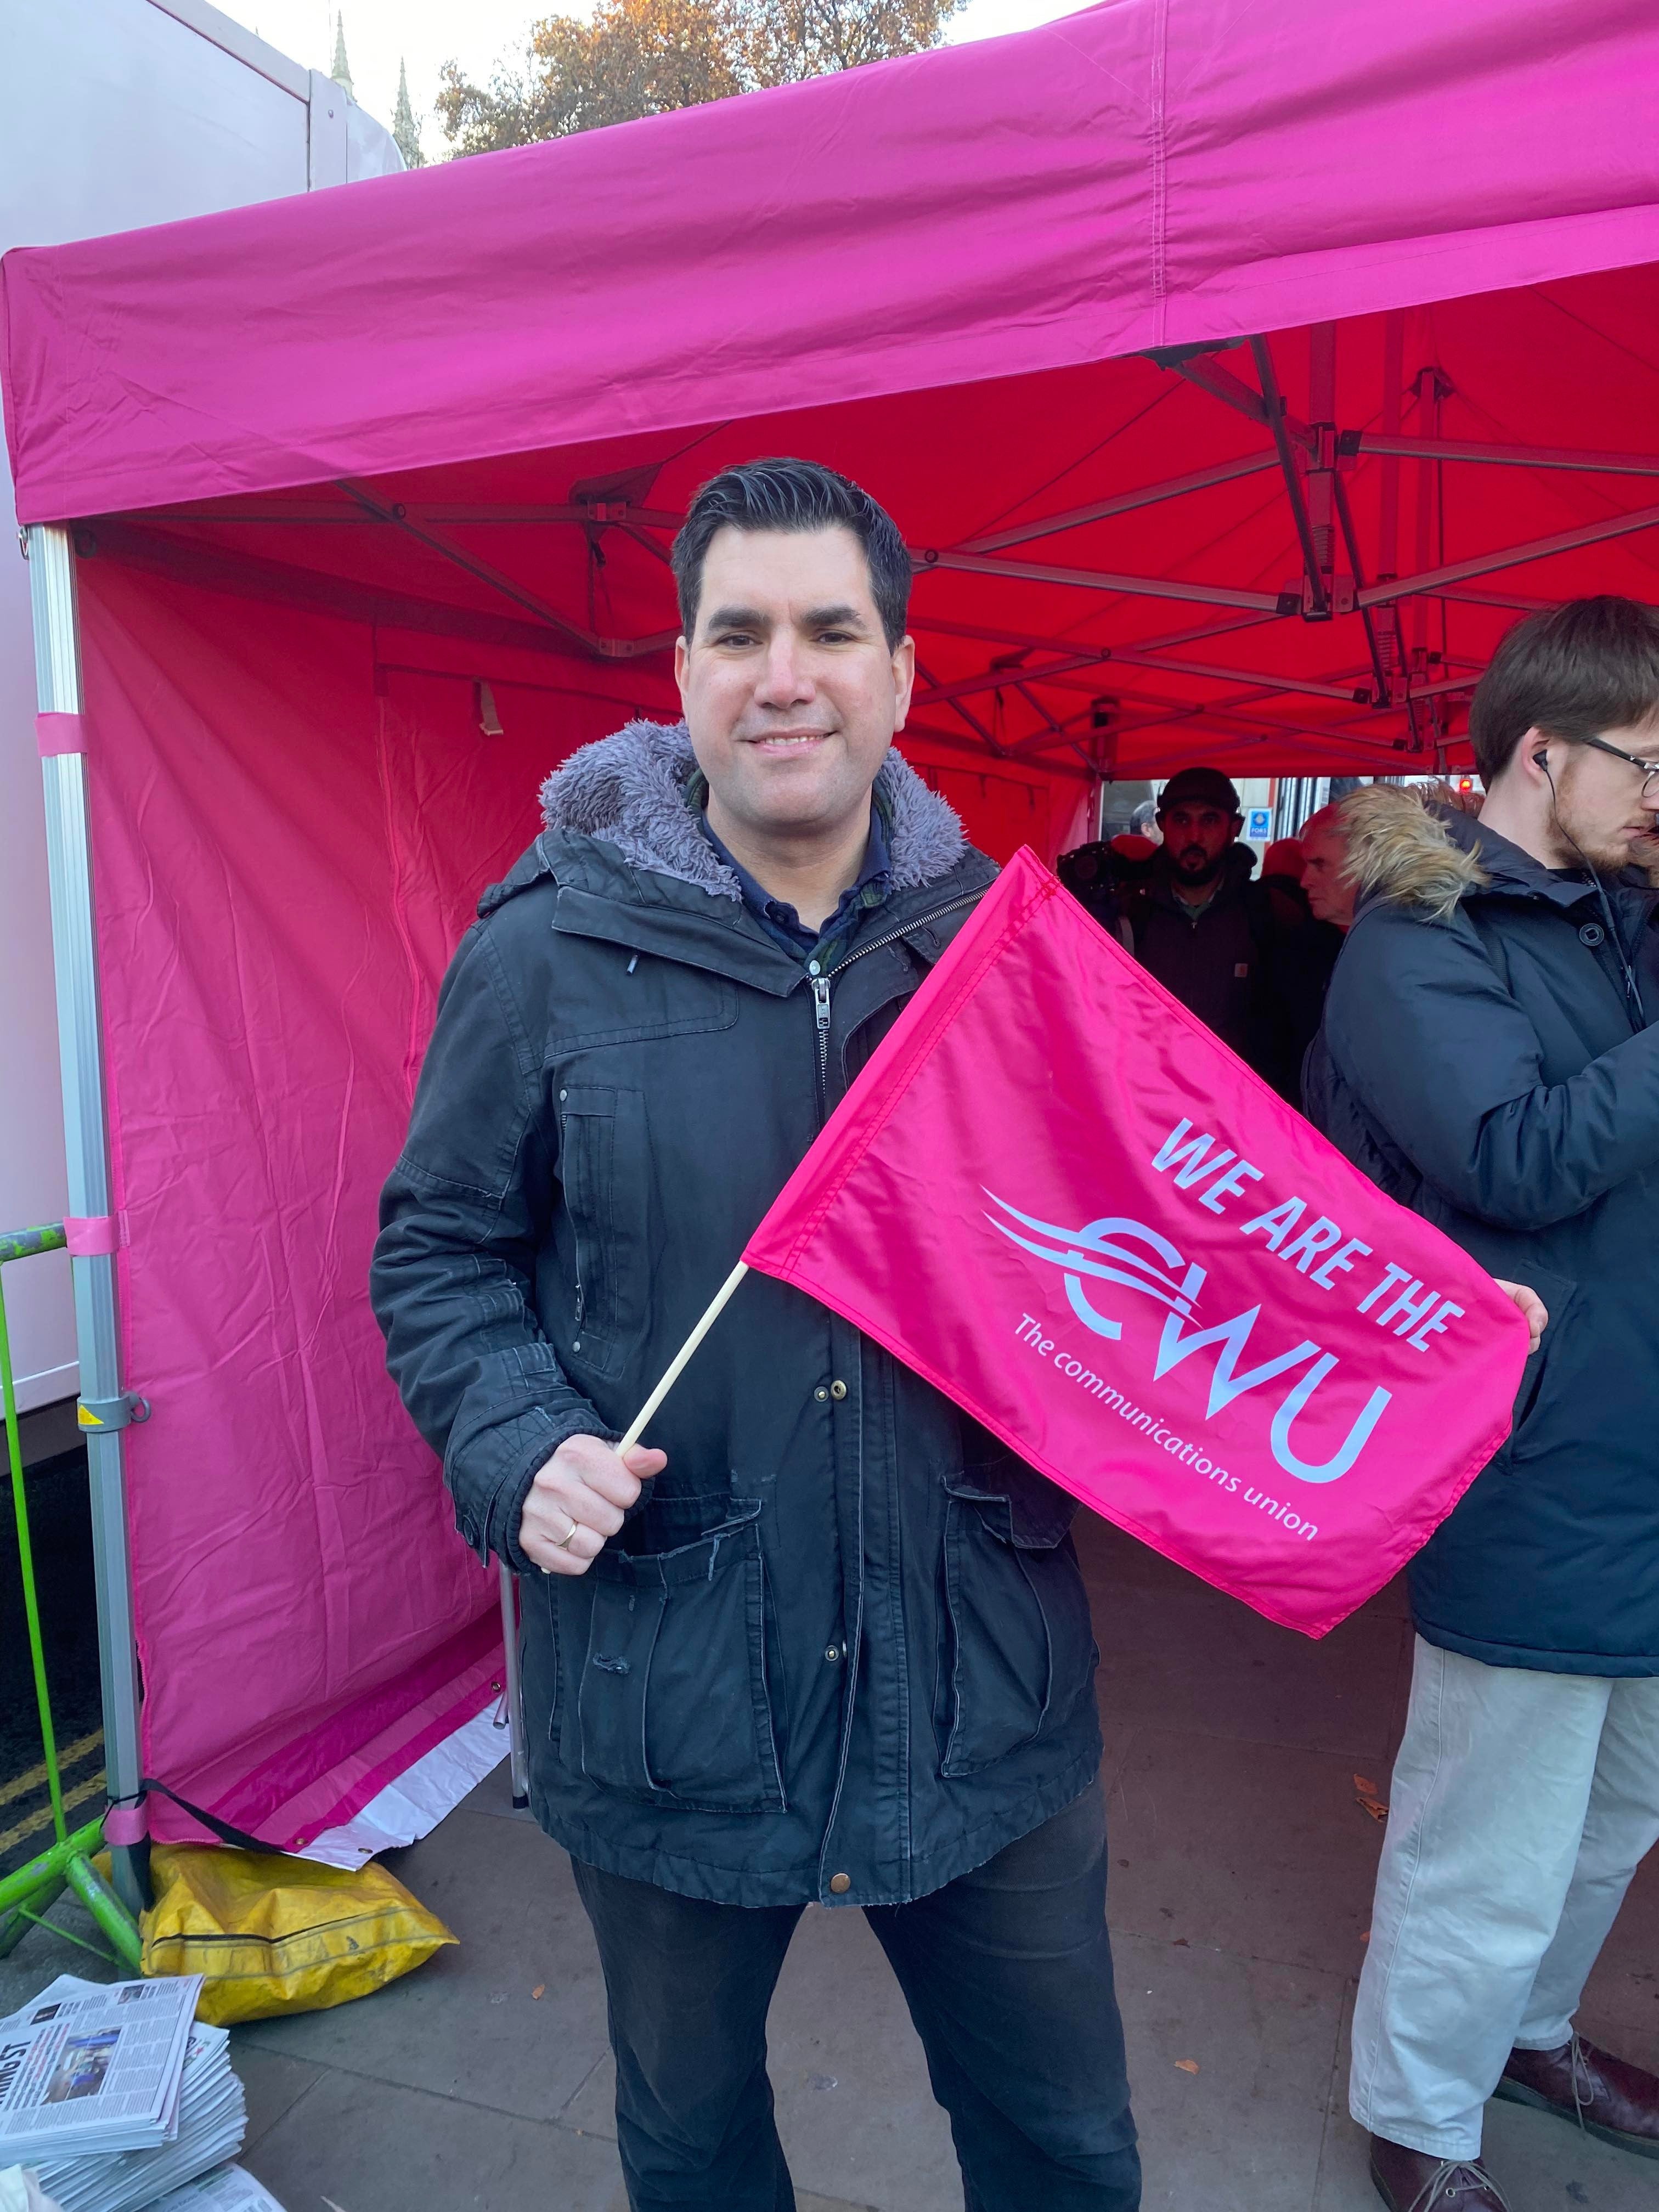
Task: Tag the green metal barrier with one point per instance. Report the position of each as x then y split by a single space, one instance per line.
27 1895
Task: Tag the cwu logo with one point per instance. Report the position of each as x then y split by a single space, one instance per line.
1138 1258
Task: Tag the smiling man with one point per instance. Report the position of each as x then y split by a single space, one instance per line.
825 1641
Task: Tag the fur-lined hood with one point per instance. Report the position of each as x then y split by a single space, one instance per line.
1403 849
630 790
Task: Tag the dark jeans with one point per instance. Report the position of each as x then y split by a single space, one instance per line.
1008 1975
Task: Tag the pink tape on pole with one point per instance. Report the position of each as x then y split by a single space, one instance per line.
59 734
126 1824
94 1237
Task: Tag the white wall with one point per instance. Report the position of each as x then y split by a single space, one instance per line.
119 113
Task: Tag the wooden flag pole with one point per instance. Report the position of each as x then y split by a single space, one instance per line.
676 1365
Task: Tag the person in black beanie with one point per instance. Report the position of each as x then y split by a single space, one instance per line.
1222 944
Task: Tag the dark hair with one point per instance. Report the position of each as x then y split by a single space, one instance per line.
794 495
1591 665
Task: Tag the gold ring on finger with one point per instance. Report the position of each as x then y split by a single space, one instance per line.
568 1536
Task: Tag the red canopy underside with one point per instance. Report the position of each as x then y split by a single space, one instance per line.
545 574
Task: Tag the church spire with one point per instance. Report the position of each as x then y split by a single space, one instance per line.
405 132
341 68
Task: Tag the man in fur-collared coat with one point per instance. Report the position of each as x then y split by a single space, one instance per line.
825 1641
1490 1056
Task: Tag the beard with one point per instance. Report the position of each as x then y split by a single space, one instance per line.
1194 866
1586 829
1606 850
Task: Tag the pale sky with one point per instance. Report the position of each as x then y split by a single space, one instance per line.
427 32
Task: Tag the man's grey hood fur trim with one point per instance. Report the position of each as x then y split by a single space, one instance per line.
630 790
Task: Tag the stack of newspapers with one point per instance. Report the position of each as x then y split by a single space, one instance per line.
113 2094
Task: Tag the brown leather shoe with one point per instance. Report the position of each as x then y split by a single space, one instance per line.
1418 2181
1606 2096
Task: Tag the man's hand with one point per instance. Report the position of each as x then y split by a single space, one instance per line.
1532 1306
578 1499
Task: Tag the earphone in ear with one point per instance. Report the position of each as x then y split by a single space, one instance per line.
1632 988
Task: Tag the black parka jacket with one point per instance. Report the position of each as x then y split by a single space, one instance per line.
1484 1059
845 1635
1236 964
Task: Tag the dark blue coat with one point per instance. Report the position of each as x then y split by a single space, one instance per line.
846 1634
1490 1069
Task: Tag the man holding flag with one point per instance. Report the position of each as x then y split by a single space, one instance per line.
828 1642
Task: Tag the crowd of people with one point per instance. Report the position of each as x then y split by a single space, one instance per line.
775 1660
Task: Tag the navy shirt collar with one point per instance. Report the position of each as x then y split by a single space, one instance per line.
779 920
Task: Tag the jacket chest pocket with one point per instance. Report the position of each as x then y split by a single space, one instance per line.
671 1700
602 1174
1022 1643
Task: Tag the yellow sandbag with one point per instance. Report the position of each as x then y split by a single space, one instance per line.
273 1934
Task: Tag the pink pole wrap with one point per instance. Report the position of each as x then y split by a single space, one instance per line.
94 1237
126 1824
59 734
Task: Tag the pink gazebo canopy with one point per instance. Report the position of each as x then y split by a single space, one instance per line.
1236 373
1148 172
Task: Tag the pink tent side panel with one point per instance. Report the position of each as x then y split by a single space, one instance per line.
285 861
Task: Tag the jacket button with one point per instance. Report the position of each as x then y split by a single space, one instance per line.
1591 934
821 1395
841 1883
832 1651
837 1389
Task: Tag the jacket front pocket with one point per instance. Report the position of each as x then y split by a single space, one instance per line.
1039 1512
1545 1390
603 1171
1022 1643
672 1706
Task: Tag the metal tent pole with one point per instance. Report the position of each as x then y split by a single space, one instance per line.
1322 460
81 1051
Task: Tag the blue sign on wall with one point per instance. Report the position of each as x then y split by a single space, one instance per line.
1258 825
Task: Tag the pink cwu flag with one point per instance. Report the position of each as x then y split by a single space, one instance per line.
1056 1195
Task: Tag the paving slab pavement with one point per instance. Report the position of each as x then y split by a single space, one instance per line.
1242 1866
466 2026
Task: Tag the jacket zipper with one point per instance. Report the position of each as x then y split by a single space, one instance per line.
821 983
821 1014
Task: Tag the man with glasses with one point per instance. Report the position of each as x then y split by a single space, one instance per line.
1490 1056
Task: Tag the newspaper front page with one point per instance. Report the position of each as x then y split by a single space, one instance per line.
94 2068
